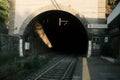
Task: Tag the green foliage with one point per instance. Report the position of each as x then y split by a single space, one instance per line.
17 68
7 58
4 9
112 2
6 70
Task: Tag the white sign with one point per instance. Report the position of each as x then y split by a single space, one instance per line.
64 22
104 26
106 39
27 45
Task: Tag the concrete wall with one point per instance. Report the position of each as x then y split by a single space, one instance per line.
26 10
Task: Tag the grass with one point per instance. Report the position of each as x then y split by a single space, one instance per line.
12 67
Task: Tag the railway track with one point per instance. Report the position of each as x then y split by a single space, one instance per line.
62 70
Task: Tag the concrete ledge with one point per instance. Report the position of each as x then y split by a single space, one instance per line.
108 59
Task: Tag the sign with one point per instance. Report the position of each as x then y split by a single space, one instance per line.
64 22
27 45
104 26
106 39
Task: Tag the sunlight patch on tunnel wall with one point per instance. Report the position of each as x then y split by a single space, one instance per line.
42 35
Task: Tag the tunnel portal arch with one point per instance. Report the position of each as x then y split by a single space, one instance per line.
42 10
63 29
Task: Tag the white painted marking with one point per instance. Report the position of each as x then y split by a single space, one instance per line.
89 48
21 48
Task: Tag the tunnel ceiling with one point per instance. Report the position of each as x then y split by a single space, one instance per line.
64 31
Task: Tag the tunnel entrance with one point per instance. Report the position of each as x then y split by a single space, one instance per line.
63 32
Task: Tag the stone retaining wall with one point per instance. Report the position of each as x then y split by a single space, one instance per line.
9 44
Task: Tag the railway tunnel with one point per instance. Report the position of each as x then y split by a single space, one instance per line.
57 31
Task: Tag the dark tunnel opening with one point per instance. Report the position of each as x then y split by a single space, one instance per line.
64 31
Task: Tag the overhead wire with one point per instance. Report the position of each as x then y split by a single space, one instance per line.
56 4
